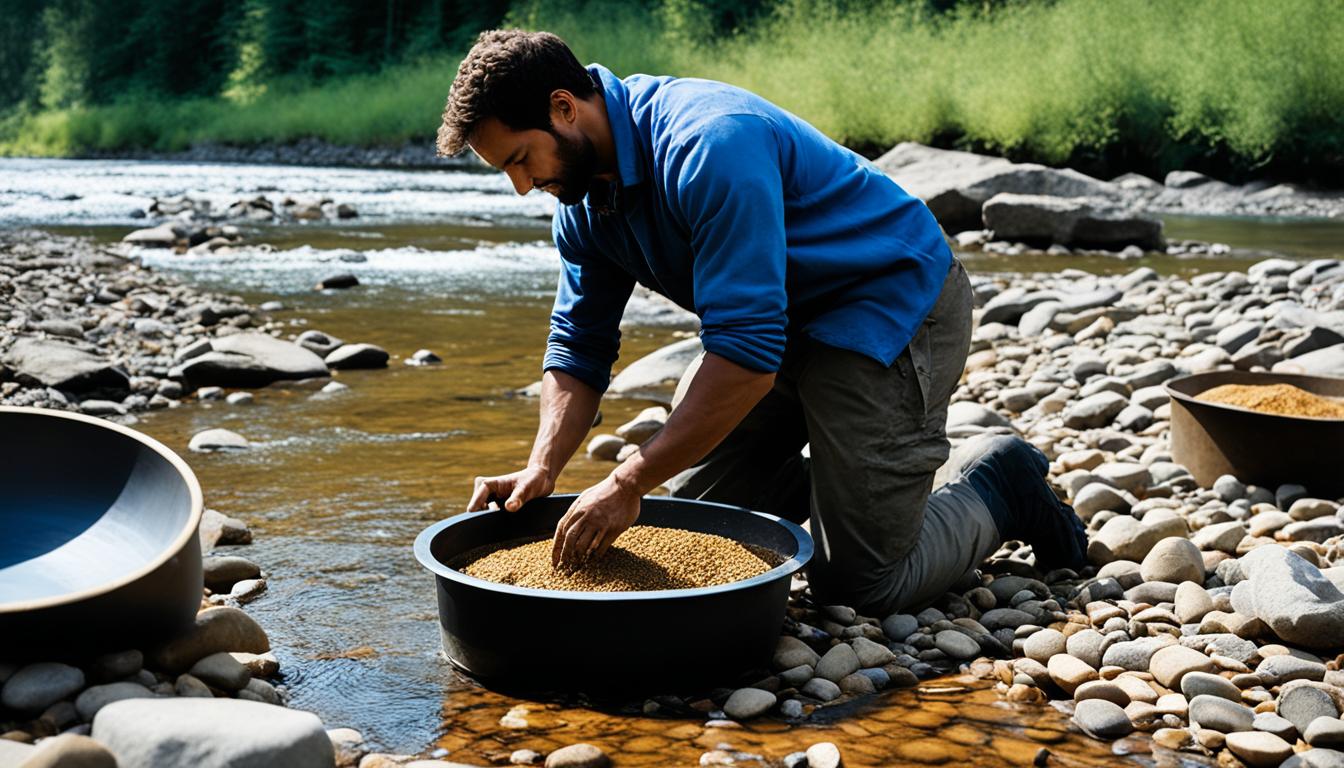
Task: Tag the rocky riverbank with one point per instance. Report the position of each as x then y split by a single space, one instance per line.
86 328
308 152
1211 616
209 697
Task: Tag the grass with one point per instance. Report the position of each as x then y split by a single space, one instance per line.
1237 86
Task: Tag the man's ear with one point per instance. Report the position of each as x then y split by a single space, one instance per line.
564 107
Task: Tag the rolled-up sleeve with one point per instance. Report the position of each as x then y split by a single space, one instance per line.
585 335
729 191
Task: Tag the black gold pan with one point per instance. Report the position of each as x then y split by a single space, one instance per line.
611 642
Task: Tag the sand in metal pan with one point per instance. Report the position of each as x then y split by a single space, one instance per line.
1279 399
643 558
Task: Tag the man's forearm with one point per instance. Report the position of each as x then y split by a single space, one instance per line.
568 407
720 395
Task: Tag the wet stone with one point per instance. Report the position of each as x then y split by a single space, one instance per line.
577 756
821 689
1102 719
823 755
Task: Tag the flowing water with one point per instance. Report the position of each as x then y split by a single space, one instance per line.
337 487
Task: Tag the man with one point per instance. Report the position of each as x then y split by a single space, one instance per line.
832 314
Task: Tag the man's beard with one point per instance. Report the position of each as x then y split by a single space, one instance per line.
578 163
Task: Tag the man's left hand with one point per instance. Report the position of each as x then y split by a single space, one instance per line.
593 522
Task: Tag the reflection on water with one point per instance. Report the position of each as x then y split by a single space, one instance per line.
337 487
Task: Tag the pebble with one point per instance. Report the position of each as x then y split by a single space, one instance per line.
1192 602
222 671
1069 673
1325 732
1203 683
1302 704
215 629
791 652
1173 560
213 440
577 756
821 689
35 687
795 676
857 684
871 654
954 644
839 661
1277 670
823 755
1272 723
1044 644
222 572
1170 664
1220 714
70 750
1102 719
99 696
114 666
746 703
899 626
1102 689
1259 749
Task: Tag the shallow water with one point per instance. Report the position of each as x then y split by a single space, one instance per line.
336 488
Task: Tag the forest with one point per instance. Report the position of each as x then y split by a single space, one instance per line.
1239 88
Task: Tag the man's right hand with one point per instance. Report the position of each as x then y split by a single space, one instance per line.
516 488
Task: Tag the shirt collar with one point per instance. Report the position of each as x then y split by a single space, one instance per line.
629 157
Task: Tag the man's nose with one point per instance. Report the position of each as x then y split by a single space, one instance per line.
522 184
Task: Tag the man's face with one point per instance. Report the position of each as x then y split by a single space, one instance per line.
561 161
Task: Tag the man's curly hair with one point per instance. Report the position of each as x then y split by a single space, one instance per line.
509 74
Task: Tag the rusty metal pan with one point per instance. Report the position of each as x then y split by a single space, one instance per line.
1214 439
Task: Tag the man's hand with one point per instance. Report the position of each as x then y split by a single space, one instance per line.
593 522
516 488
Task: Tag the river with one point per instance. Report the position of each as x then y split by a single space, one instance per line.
337 488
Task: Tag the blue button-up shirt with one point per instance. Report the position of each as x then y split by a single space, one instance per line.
747 216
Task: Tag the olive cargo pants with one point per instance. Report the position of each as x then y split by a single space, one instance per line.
886 539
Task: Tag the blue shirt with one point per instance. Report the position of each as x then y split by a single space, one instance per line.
747 216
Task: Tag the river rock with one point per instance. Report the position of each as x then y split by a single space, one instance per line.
1124 538
1310 509
839 661
1170 664
746 703
823 755
1258 749
1100 497
1208 684
871 654
211 440
1291 596
356 356
956 644
99 696
222 671
222 572
319 343
1272 723
1220 714
1174 559
1071 221
1102 719
955 185
1088 645
35 687
821 689
1325 732
1095 411
1069 673
334 282
968 413
216 629
1135 655
1192 602
63 366
211 733
1044 644
791 652
605 447
1302 704
656 371
248 360
899 626
68 750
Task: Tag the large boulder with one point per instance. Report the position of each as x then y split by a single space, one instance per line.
653 374
212 733
1291 596
248 360
956 185
64 366
1088 222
